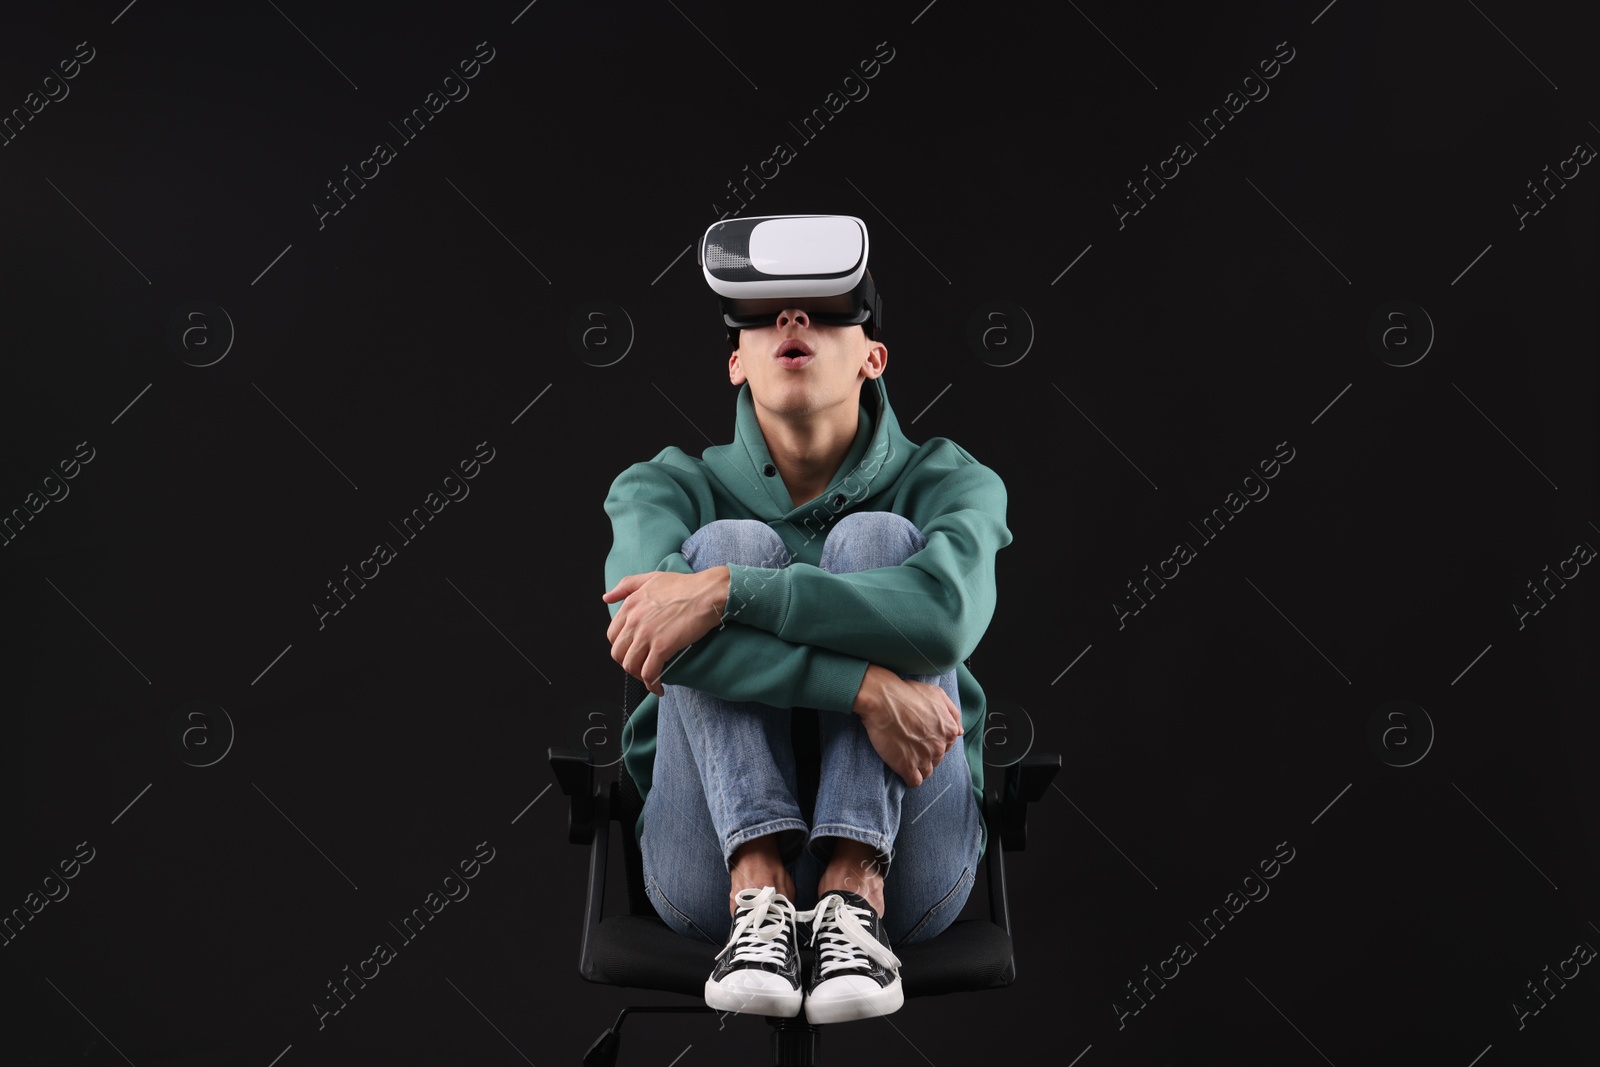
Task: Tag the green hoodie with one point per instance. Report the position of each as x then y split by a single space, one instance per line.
799 636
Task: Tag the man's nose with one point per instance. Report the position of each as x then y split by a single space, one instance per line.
793 316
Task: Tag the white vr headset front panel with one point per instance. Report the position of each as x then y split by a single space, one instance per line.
796 255
829 244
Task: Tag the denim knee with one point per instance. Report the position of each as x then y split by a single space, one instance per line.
886 538
749 542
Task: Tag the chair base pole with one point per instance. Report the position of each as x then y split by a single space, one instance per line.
795 1043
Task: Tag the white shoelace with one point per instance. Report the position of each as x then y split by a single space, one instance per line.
847 940
758 933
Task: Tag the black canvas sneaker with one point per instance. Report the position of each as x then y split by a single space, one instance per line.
856 976
758 970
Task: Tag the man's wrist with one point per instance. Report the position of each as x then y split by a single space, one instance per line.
867 694
720 579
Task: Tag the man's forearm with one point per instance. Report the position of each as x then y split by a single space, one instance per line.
915 629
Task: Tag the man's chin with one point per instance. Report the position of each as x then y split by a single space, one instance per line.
796 403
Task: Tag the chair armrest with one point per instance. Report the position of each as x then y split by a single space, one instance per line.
1025 782
1005 811
574 771
1035 773
588 823
595 892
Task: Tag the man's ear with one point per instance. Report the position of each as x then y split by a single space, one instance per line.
735 371
877 359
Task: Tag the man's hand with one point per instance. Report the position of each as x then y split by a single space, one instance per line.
912 725
663 613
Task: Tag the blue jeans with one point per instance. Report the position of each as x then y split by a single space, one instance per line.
726 774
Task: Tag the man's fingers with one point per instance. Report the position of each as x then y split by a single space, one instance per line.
633 662
649 681
619 650
627 585
623 620
650 672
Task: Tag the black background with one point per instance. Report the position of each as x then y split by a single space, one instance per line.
369 356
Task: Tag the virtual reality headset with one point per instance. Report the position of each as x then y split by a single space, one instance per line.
817 263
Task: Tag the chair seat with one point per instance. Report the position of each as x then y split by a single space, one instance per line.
641 951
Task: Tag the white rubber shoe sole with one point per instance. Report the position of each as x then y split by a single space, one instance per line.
755 992
853 996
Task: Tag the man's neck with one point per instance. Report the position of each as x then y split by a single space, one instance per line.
808 454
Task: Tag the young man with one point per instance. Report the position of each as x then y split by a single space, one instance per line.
821 565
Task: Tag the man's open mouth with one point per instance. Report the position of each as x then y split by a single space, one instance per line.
793 353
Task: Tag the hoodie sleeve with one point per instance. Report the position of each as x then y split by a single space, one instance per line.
921 617
651 513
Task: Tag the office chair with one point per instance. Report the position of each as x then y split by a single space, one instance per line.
640 951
